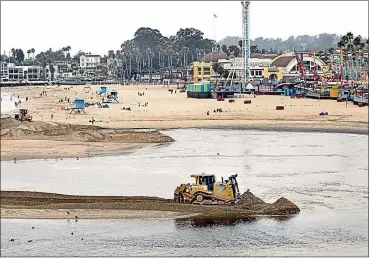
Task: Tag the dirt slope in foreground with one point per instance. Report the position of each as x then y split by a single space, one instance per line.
248 206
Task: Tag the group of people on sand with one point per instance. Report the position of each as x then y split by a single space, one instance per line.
144 105
218 110
43 93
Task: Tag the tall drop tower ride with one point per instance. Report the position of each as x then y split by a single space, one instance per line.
245 41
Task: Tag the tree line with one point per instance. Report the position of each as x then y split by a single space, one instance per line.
150 51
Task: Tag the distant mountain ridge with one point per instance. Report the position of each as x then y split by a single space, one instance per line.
316 42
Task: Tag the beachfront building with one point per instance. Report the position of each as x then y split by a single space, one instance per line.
202 69
4 72
32 73
15 72
11 72
285 67
257 63
89 61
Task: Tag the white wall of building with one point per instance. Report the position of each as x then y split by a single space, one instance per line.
89 61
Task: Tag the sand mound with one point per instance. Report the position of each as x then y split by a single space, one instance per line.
282 206
12 129
247 199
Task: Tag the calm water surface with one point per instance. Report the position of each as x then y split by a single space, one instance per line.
326 175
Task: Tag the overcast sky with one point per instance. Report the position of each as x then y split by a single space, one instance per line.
99 26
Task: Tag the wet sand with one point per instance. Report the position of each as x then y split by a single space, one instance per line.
170 111
89 214
39 149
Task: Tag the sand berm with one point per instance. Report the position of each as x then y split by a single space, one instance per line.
38 205
38 139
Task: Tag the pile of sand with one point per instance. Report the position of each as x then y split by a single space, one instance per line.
282 206
247 199
12 129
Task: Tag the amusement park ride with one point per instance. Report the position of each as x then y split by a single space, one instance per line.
343 70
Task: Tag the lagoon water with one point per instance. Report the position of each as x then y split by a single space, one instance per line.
326 175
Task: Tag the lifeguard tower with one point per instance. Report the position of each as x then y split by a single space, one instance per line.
103 90
78 106
113 96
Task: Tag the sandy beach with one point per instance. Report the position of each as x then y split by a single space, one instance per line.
164 110
169 111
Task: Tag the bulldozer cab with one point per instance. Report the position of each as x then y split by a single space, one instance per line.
23 111
204 179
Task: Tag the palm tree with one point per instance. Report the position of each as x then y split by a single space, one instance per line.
52 71
129 56
68 48
185 50
33 54
138 57
349 37
150 55
13 54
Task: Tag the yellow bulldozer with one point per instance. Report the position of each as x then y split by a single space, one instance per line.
23 115
207 191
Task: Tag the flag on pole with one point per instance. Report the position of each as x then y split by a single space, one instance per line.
214 15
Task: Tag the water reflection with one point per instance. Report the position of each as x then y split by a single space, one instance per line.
206 221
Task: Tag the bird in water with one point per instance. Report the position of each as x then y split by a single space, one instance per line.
72 233
29 241
76 217
77 158
33 227
15 160
68 212
218 154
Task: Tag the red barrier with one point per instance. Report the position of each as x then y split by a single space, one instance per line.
339 99
247 101
279 107
231 100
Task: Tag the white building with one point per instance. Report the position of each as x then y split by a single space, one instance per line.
32 73
4 71
11 72
257 62
89 61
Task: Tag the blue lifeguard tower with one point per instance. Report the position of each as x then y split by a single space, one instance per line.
103 90
113 96
78 106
